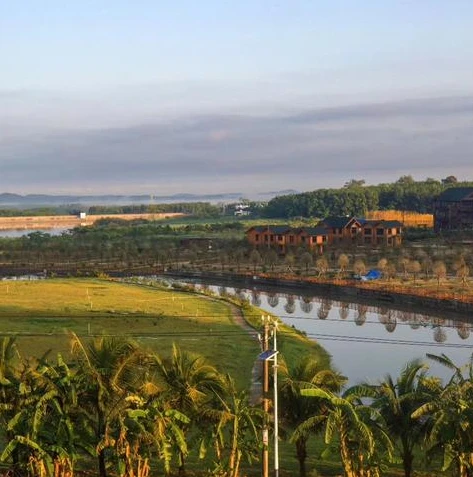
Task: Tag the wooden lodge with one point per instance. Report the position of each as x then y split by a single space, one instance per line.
330 231
453 209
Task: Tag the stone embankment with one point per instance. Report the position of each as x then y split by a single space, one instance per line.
46 222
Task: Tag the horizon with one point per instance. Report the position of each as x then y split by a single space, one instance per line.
210 97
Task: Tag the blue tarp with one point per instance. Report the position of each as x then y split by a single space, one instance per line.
372 275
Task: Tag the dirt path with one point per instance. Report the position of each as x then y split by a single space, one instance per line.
256 388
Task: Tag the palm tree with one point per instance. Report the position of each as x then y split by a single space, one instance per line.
239 423
190 384
396 401
360 440
111 371
296 409
450 416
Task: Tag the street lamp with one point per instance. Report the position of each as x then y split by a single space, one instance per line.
266 356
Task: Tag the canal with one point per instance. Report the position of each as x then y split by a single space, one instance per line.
366 342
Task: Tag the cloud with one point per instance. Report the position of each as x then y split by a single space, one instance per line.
304 150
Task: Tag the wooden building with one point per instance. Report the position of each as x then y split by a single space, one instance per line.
381 232
331 231
342 229
281 237
453 209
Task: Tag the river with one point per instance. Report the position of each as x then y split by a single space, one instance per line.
367 342
15 233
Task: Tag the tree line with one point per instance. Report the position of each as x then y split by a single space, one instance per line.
356 198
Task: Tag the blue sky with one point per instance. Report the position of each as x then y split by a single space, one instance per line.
224 77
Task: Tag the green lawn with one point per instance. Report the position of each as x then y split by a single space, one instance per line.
42 313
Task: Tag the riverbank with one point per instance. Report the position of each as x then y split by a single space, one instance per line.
381 293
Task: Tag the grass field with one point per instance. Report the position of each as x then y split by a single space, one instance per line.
42 313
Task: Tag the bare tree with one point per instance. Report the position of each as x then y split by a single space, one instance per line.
290 261
255 259
321 265
427 266
306 260
404 265
343 262
359 267
414 268
462 270
382 265
440 271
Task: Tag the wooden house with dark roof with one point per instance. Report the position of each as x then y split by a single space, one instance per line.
282 237
332 230
313 237
342 229
453 209
269 236
381 232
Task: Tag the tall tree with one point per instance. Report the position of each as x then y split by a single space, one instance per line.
396 400
190 384
296 409
450 417
111 369
361 442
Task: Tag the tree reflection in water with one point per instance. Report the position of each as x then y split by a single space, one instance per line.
391 319
306 304
290 306
255 298
344 311
463 330
273 300
439 335
391 322
360 317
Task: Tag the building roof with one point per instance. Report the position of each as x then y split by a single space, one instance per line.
455 194
313 231
337 222
273 229
257 228
279 229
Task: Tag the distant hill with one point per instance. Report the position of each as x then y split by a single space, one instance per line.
41 200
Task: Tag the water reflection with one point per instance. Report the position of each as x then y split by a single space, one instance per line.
273 299
306 304
344 311
256 298
365 341
290 306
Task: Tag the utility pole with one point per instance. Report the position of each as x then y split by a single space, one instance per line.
266 356
265 456
275 402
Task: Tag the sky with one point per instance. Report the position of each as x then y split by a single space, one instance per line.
217 96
